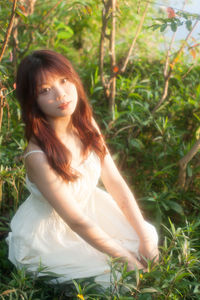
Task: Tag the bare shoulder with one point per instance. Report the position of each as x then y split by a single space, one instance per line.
32 146
33 153
35 159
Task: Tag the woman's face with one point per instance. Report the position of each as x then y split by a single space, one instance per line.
57 97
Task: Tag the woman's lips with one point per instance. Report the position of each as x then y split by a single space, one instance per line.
64 105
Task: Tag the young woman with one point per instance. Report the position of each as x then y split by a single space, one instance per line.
68 224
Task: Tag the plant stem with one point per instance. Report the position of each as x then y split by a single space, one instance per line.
135 38
112 61
105 18
169 74
184 162
9 29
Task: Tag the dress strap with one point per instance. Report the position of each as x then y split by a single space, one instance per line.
33 151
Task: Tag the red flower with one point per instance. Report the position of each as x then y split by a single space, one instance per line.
115 69
171 13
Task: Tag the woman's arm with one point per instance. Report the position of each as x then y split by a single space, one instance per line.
56 192
117 187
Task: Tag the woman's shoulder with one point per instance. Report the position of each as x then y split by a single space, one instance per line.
32 148
34 158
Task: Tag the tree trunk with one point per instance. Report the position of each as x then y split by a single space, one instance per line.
184 162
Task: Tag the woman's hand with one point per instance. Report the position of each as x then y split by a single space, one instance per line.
149 244
133 263
149 249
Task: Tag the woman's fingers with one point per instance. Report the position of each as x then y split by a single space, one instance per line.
135 263
154 257
148 250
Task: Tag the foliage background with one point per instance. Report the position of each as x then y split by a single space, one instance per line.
147 147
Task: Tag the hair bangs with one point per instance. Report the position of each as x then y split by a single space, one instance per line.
46 68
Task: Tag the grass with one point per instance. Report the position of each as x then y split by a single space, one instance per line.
176 276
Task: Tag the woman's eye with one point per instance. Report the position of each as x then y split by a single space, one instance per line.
64 80
44 90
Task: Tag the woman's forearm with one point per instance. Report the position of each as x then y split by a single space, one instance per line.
100 240
119 190
97 238
128 205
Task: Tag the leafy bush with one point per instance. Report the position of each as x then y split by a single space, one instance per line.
175 276
146 146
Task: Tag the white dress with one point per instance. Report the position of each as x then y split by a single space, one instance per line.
39 236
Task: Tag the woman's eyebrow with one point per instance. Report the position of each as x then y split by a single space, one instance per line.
51 81
43 83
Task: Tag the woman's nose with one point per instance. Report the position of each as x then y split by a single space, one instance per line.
60 94
60 97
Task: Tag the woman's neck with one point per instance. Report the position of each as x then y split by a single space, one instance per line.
61 126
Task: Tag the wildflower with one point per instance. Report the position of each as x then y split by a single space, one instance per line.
22 8
115 69
80 296
171 13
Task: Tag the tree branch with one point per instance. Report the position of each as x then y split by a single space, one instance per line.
170 47
122 129
2 103
9 29
174 61
183 162
166 67
112 61
38 26
105 19
183 44
188 71
135 38
48 14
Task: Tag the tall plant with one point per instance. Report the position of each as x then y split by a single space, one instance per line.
109 13
3 89
174 21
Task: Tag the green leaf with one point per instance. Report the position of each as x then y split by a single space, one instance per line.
176 207
136 143
76 286
188 24
68 33
173 26
129 286
172 227
155 26
163 27
149 290
196 116
3 228
180 276
23 17
189 171
125 298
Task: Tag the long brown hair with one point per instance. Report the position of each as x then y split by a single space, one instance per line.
29 72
